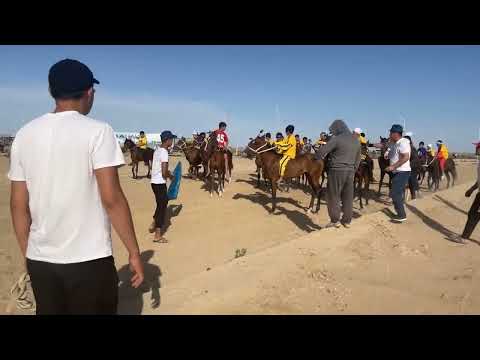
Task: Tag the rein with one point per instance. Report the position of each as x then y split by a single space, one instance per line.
256 151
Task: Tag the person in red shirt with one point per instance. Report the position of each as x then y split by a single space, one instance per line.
222 142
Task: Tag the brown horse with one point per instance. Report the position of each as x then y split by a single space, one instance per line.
207 150
270 162
193 156
216 164
383 164
137 155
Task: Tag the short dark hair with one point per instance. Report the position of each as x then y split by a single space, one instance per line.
421 143
268 135
142 132
222 124
305 138
73 96
290 129
362 134
279 134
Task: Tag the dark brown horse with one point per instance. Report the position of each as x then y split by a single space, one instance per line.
137 155
207 150
302 164
434 169
362 181
383 164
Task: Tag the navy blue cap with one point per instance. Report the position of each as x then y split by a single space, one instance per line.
70 77
167 135
396 129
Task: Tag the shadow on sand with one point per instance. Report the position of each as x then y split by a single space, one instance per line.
449 204
299 218
130 300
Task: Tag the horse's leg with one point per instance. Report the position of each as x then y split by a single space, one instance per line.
447 174
133 170
380 183
210 177
367 189
274 194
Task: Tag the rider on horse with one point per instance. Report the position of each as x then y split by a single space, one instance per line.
222 143
288 148
278 142
442 155
142 145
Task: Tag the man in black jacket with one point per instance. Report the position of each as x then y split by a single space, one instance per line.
344 150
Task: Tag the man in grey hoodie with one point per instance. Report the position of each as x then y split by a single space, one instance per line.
345 152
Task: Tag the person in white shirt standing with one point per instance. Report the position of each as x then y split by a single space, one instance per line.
65 194
399 155
160 174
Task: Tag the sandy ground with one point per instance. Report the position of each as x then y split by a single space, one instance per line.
290 267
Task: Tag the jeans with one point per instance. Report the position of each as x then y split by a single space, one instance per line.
397 193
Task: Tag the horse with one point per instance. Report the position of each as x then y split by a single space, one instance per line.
193 156
302 164
434 170
362 177
383 164
137 155
216 163
207 149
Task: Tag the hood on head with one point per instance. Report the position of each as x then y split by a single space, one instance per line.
339 127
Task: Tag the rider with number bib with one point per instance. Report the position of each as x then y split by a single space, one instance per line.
222 142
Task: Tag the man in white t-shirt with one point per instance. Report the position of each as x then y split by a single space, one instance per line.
399 156
65 191
160 174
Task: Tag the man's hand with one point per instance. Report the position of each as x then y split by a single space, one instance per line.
136 267
389 169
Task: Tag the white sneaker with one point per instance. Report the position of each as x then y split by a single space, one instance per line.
398 219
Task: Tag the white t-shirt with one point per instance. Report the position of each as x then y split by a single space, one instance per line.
402 146
56 155
159 156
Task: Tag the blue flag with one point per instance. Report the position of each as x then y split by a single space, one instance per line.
174 187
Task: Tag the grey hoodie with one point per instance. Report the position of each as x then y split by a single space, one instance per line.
343 147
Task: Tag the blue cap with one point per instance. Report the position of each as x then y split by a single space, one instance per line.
396 129
70 77
167 135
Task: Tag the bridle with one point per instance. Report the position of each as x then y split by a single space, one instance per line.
258 151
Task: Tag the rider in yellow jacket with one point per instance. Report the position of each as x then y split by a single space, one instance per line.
288 148
142 141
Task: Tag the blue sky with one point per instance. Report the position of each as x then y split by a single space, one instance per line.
185 88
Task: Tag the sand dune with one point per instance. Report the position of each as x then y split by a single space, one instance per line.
290 265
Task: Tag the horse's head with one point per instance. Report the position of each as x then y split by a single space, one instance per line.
181 143
128 144
255 144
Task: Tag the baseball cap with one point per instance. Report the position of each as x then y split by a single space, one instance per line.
439 142
396 128
70 77
167 135
357 131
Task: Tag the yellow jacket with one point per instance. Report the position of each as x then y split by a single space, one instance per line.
443 151
362 140
142 142
288 147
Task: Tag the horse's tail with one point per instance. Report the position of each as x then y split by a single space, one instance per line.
230 160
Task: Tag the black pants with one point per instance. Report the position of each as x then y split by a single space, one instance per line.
473 218
86 288
160 191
